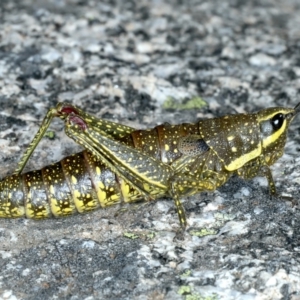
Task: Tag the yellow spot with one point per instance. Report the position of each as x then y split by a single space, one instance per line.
98 171
77 201
115 198
150 148
233 149
51 188
167 148
74 180
230 138
125 191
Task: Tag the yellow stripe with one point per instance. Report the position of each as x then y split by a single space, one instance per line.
239 162
275 136
269 116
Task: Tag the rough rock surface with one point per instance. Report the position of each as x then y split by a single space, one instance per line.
122 60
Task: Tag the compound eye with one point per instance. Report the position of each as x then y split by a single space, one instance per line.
277 121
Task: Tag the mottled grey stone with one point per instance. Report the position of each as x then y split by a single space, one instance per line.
121 60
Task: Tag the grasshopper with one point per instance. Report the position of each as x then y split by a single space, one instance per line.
122 164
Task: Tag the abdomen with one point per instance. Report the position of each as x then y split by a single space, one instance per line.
81 183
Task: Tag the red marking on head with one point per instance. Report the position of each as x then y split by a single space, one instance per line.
68 110
78 121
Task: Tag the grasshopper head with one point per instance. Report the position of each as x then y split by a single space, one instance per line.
274 123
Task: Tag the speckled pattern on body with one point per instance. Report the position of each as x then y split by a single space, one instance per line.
175 165
123 61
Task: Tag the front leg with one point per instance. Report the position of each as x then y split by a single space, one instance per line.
265 171
259 167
